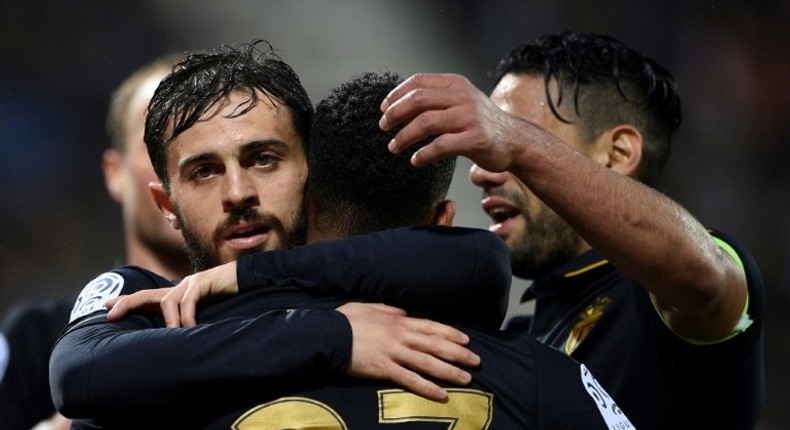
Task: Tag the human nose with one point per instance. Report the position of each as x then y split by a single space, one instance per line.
485 179
240 191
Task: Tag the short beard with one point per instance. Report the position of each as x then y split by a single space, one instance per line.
204 257
549 243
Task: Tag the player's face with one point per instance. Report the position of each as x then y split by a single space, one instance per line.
237 182
537 237
141 216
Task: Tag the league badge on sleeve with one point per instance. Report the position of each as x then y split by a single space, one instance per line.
96 293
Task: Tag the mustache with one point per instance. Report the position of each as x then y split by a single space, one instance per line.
248 215
504 194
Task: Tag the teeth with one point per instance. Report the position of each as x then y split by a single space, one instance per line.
499 214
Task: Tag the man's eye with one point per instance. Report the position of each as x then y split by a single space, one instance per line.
265 159
202 172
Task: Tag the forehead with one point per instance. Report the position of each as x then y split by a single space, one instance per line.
138 108
222 129
524 96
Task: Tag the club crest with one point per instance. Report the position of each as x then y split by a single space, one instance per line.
587 320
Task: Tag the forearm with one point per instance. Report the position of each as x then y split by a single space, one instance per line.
459 271
646 235
113 369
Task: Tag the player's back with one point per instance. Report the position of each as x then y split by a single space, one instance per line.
521 384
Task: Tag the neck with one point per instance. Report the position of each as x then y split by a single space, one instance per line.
171 264
321 234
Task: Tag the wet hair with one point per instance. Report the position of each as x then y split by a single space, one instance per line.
608 84
122 97
204 79
355 184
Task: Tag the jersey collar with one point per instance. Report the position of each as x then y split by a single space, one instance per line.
571 277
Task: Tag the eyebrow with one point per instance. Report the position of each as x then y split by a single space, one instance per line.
266 143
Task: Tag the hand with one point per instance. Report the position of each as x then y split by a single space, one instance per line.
463 119
387 344
144 301
178 304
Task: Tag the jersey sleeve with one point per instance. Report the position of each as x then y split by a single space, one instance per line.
457 273
100 368
569 396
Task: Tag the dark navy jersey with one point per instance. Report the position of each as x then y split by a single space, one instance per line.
27 335
98 367
589 310
265 335
447 272
521 384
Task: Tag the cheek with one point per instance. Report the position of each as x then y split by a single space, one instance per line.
197 210
291 198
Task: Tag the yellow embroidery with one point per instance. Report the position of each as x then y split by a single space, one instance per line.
588 318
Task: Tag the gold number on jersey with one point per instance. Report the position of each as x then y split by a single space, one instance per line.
466 409
290 413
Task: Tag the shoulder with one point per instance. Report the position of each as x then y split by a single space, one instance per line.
118 281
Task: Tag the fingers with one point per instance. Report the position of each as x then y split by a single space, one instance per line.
446 107
177 308
145 301
419 80
387 344
117 308
418 385
428 327
111 302
356 308
171 310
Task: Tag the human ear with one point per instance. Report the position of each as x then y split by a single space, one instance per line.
113 175
444 213
625 153
163 202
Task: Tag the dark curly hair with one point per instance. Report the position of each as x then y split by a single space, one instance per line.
355 184
203 79
609 84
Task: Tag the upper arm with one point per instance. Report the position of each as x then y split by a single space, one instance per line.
154 364
726 312
463 273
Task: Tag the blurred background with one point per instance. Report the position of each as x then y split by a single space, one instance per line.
59 61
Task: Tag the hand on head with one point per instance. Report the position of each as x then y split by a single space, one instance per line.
461 117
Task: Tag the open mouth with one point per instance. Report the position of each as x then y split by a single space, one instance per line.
247 235
247 232
501 214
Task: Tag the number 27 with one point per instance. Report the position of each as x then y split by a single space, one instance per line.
466 409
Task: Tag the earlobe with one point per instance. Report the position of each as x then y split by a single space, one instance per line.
163 202
626 150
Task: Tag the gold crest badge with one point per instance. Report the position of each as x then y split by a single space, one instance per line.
587 320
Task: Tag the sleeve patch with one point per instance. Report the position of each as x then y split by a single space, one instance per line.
99 290
610 412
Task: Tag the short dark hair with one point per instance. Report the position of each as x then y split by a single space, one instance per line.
203 79
610 84
354 183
